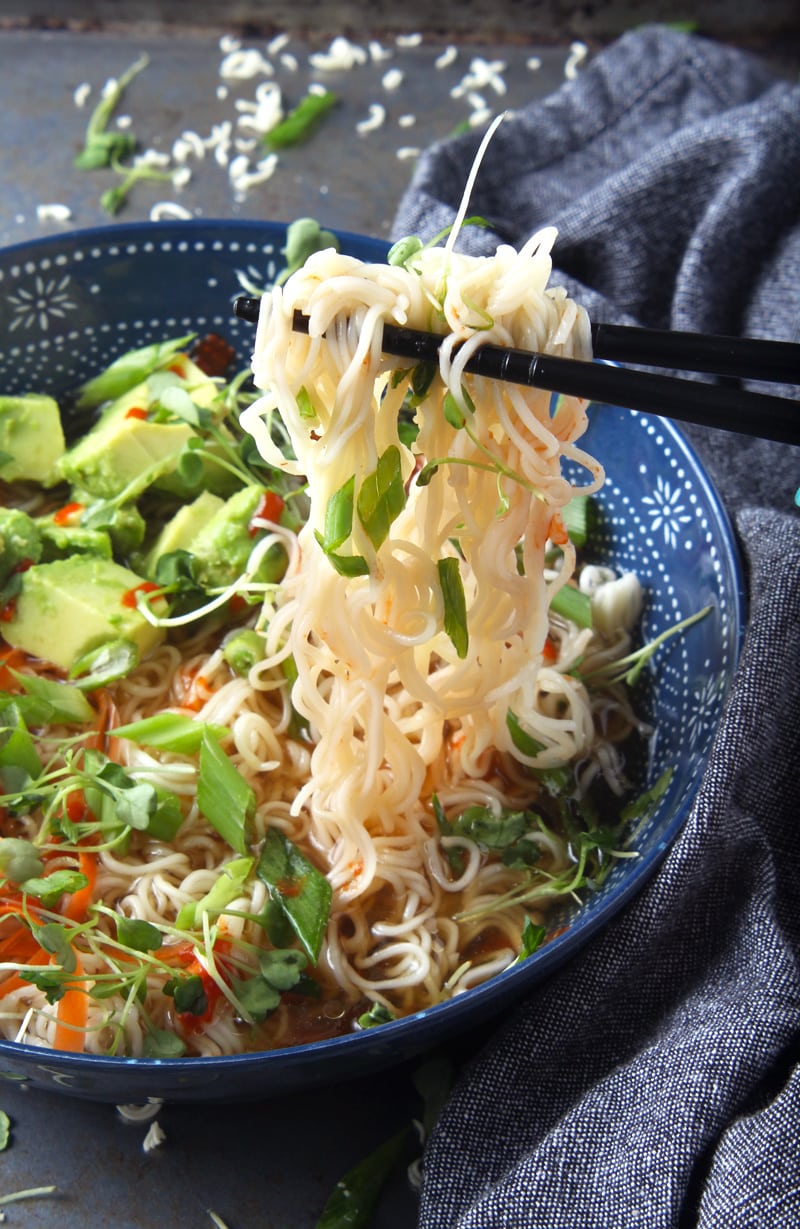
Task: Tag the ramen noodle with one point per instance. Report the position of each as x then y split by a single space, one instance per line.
421 760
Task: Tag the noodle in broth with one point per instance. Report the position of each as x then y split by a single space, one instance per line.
413 673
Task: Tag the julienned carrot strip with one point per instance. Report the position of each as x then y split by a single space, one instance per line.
14 981
19 946
72 1014
78 903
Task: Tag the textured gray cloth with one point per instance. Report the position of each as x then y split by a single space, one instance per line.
654 1081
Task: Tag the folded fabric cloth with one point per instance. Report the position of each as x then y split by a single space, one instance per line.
653 1081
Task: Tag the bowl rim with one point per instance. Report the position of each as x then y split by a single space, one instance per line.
547 960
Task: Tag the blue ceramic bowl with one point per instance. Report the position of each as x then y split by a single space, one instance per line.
70 303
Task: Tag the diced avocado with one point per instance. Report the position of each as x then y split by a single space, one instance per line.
61 541
114 453
223 547
70 606
123 444
186 524
127 529
20 542
31 439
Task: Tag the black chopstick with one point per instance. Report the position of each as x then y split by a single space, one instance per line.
751 358
692 401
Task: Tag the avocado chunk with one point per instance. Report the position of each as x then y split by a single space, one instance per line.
31 439
70 606
20 542
180 532
223 546
61 541
125 445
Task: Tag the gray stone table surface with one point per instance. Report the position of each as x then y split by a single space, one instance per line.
394 100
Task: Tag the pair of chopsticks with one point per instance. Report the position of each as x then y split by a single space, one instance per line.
711 405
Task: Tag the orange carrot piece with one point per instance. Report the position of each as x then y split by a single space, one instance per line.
72 1014
78 904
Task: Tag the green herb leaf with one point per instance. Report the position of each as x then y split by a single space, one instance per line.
422 377
401 252
377 1014
304 236
647 801
165 822
257 997
223 795
5 1130
454 415
136 805
19 859
455 606
54 938
531 940
50 888
282 969
627 669
138 935
17 749
495 831
382 497
162 1043
49 980
302 891
189 994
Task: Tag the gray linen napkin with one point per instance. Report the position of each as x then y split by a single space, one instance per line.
654 1081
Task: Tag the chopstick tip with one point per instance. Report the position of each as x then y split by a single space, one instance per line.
247 308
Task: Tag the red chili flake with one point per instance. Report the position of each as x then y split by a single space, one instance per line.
288 887
269 508
22 566
68 514
213 355
237 604
129 596
550 651
8 611
137 411
557 532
